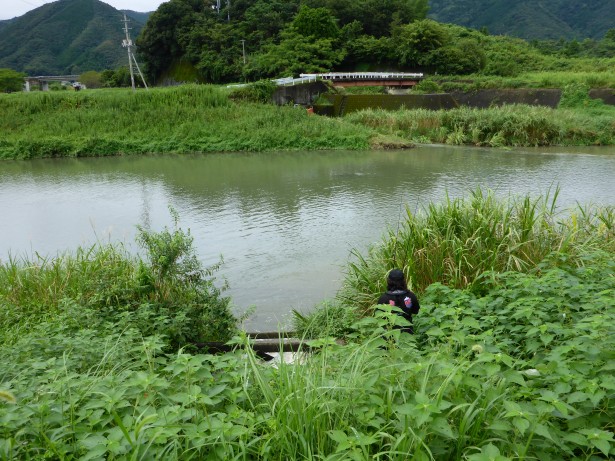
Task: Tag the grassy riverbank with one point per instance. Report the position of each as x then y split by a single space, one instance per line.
203 119
578 121
164 120
513 363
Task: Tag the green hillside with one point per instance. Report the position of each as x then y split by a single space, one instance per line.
65 37
137 16
4 23
530 19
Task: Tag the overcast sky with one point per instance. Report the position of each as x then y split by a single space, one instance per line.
12 8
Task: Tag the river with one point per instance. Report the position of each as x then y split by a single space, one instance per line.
285 223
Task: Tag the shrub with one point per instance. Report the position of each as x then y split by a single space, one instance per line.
428 86
454 242
167 292
261 91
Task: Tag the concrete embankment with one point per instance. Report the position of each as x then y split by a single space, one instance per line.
344 104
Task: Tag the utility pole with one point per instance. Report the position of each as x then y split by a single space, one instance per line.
243 46
127 43
228 8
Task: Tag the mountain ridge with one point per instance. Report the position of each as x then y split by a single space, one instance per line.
65 37
530 19
74 36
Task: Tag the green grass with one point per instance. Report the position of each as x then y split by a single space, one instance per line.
512 356
511 125
454 242
598 77
521 371
202 118
184 119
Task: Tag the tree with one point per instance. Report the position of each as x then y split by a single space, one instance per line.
163 39
366 49
91 79
296 54
118 78
417 40
376 16
316 22
216 50
465 57
265 19
11 80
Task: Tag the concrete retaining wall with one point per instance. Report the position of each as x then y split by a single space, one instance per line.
606 94
305 94
344 104
499 97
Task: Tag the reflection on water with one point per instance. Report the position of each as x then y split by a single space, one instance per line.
284 222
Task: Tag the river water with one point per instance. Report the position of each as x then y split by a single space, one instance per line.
285 223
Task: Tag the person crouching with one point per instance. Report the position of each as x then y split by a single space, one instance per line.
398 295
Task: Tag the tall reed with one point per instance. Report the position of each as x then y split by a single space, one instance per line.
511 125
192 118
455 241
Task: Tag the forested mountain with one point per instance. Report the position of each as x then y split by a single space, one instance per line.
248 40
4 23
530 19
65 37
190 40
137 16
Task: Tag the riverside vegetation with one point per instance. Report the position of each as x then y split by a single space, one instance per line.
205 118
512 356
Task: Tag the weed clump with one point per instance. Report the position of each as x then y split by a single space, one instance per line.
166 292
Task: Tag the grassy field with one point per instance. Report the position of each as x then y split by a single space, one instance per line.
202 118
598 77
512 356
179 120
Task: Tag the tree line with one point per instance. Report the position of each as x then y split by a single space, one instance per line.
192 40
247 40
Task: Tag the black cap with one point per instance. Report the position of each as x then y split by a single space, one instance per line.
396 275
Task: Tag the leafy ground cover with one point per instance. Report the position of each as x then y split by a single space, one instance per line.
524 371
515 364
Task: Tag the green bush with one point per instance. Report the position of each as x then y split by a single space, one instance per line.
168 293
454 242
427 86
11 80
261 91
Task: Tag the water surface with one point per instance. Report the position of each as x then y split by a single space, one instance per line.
285 223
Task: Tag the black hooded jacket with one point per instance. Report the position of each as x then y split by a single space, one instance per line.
397 298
